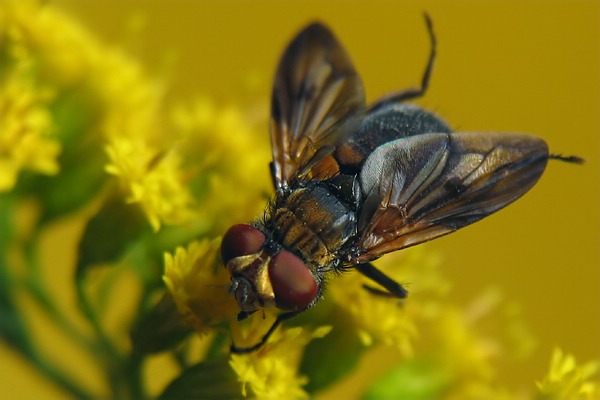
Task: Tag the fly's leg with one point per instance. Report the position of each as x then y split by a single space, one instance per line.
413 93
278 321
569 159
392 288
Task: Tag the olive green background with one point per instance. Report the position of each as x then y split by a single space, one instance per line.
526 66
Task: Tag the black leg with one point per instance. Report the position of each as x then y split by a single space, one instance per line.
278 321
413 93
393 288
242 315
569 159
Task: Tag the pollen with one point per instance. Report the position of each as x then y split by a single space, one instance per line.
271 371
198 284
568 380
152 179
27 140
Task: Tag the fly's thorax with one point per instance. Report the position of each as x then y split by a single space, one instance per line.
387 123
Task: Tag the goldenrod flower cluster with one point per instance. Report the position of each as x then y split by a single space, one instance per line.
88 141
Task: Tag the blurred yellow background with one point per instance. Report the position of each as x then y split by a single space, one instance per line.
528 66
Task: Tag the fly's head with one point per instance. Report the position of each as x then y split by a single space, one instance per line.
262 278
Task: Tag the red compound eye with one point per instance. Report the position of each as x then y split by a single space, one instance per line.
293 284
241 240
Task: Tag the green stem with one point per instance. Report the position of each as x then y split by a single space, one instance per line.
59 378
36 287
16 335
15 332
180 356
218 343
134 376
105 350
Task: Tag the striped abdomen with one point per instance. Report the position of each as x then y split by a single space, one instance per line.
314 223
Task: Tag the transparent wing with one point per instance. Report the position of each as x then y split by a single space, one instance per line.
421 187
318 98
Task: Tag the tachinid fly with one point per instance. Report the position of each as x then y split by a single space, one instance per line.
354 182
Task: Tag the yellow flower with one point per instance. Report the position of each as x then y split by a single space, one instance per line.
55 43
26 140
463 352
26 125
469 343
143 156
454 348
198 284
110 100
213 153
231 157
567 380
271 372
152 180
389 321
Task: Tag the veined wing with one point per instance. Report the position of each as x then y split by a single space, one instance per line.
421 187
318 98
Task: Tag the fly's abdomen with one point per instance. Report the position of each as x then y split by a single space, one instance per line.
314 222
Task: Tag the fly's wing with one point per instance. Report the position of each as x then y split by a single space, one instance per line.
421 187
318 99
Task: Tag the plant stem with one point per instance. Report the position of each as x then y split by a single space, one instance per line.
112 359
60 379
35 286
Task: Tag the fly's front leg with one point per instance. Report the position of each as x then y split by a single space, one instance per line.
278 321
392 288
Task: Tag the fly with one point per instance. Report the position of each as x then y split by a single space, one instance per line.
354 182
